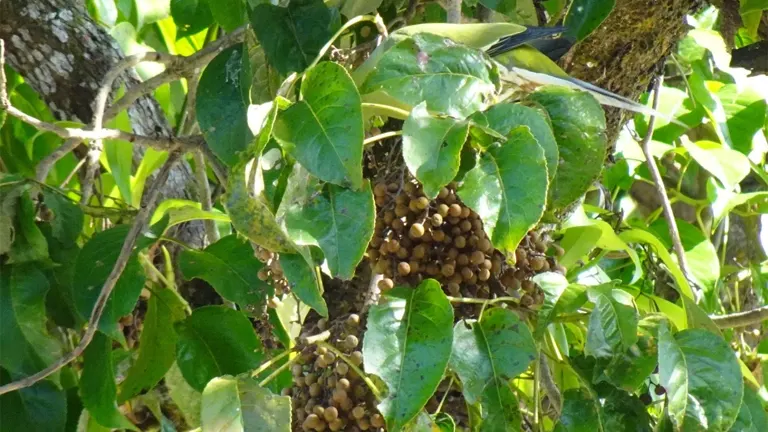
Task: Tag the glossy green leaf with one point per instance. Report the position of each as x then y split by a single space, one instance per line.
26 346
324 130
190 16
215 341
93 266
340 221
584 16
505 117
303 277
28 241
41 407
67 217
637 235
628 370
422 67
264 79
499 346
353 8
119 156
157 344
238 404
252 216
578 123
728 166
230 14
407 344
292 36
501 410
612 323
702 378
231 267
508 189
579 414
220 108
577 242
98 390
752 416
560 297
432 147
622 411
700 252
746 111
150 163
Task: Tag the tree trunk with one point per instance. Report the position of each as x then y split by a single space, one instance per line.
628 49
64 55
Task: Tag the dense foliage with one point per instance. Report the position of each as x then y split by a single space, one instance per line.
400 238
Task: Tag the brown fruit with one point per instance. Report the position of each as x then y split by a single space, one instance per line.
380 189
338 424
460 241
447 270
433 269
386 284
393 245
414 266
351 341
443 210
462 260
315 390
438 235
312 422
388 217
477 257
443 193
402 199
356 358
487 264
263 274
417 230
520 255
528 286
454 289
465 225
380 201
465 212
559 251
373 255
297 370
419 251
484 274
393 187
377 420
343 384
484 245
541 246
339 395
318 410
454 210
400 211
353 320
537 263
436 220
452 253
526 300
358 412
342 368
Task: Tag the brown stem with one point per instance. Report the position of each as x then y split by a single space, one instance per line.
741 319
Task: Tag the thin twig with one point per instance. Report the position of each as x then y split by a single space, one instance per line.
741 319
138 227
549 386
453 8
674 233
177 67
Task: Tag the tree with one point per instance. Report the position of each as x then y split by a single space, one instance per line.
318 216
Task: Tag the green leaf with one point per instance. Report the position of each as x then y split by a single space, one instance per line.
504 117
28 241
67 217
501 410
628 370
41 407
580 413
97 385
221 110
702 378
752 417
612 323
230 14
559 297
340 221
623 412
292 36
431 148
578 242
93 266
324 130
728 166
508 188
119 155
445 422
303 277
408 344
578 123
353 8
157 344
584 16
499 346
252 216
150 162
239 404
264 79
700 252
26 346
746 111
215 341
422 67
637 235
190 16
184 396
231 267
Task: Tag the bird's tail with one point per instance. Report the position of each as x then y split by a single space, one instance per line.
532 35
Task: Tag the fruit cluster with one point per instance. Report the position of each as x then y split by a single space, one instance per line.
272 273
327 394
417 238
531 258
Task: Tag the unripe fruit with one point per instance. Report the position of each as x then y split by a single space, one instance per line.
386 284
447 270
417 230
331 413
351 342
353 320
342 368
484 274
443 210
393 187
343 384
356 358
438 235
422 203
477 257
454 210
443 193
436 220
460 241
537 263
380 189
358 412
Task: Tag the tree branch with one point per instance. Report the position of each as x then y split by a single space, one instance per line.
658 182
453 8
741 319
139 225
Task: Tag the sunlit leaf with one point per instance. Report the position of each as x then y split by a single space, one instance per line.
728 166
303 277
408 344
560 297
239 404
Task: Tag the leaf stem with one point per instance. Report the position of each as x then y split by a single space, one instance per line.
472 300
382 136
358 371
445 396
266 365
277 371
387 110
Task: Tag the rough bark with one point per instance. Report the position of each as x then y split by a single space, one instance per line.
626 51
64 55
